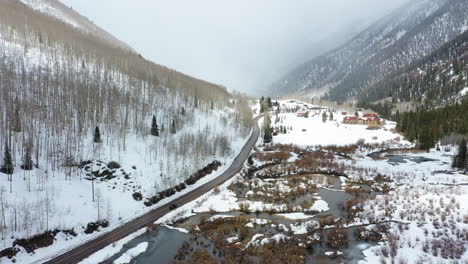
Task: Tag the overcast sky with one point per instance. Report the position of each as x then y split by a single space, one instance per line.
242 44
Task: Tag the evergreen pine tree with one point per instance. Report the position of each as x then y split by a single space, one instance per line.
460 159
262 107
7 167
154 127
27 160
173 127
331 116
324 117
162 128
97 135
17 121
269 104
250 160
425 140
182 112
267 137
211 105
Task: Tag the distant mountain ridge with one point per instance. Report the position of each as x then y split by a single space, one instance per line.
405 36
439 78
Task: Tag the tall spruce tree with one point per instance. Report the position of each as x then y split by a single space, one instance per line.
97 135
267 136
250 160
7 166
460 159
27 160
154 127
17 120
269 104
324 117
173 127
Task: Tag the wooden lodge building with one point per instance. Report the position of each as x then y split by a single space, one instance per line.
369 119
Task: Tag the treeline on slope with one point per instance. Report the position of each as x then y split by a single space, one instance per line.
58 84
428 125
86 82
385 109
436 78
21 24
405 36
198 175
266 105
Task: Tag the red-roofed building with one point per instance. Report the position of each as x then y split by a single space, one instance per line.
371 115
351 120
374 120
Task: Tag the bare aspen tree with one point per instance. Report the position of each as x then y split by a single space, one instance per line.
2 205
99 203
109 212
50 110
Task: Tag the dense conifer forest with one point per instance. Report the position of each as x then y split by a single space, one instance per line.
428 126
434 79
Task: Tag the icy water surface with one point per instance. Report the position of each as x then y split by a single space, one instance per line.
397 159
163 246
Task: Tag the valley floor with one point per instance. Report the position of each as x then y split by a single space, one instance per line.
377 201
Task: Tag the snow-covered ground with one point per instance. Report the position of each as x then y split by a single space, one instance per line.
132 253
428 197
436 226
313 131
71 199
67 15
464 92
436 170
58 193
114 248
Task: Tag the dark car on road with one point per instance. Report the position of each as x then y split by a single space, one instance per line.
173 206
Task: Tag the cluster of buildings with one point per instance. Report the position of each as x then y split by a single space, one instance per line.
367 119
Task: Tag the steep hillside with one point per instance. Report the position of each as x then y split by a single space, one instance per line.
58 86
438 78
56 9
396 41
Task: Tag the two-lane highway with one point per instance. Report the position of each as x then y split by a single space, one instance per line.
81 252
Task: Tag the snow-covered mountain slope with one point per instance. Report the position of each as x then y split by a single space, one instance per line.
56 9
403 37
437 79
58 84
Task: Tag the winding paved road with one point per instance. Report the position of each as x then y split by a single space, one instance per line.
81 252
